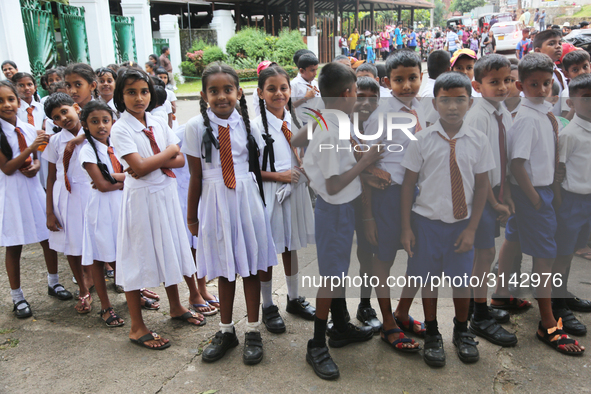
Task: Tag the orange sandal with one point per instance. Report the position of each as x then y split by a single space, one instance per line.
557 339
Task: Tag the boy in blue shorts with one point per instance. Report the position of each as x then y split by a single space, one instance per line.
334 176
492 79
532 146
450 162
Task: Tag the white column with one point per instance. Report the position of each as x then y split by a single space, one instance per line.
13 44
313 44
224 25
169 28
140 10
98 31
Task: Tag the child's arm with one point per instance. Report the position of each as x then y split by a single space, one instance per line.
310 93
465 241
33 169
407 237
98 180
369 222
9 167
518 171
194 194
176 162
74 142
143 166
170 120
336 183
282 177
52 223
299 138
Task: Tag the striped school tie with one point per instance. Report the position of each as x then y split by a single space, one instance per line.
226 157
503 152
384 177
149 131
22 145
457 185
413 112
66 161
555 128
288 134
117 168
30 118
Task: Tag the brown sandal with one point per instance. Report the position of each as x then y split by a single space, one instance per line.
84 300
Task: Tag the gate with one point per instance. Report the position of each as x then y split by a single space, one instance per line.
158 43
39 33
123 38
73 30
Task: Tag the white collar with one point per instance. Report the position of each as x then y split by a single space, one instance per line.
7 126
544 107
584 124
438 128
233 121
275 122
397 105
135 124
100 146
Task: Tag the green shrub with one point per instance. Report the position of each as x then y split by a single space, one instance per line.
213 54
287 44
250 43
198 45
248 74
188 69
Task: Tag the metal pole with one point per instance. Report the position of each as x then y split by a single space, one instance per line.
189 17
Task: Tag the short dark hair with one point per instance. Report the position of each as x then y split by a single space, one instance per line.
533 62
158 82
298 54
584 23
164 49
546 35
367 83
451 80
514 61
555 89
334 79
56 100
51 71
133 75
341 57
438 63
575 57
10 62
307 60
579 83
369 68
402 58
486 64
381 71
526 30
160 95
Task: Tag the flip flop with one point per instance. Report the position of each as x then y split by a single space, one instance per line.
398 344
149 294
216 300
86 298
206 305
149 337
408 326
149 304
189 315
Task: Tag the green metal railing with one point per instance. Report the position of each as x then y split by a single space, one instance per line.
158 43
39 33
123 38
73 31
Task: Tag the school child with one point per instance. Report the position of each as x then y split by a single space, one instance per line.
49 78
68 190
222 153
438 63
169 105
370 70
574 63
159 110
463 61
548 42
449 162
30 111
533 169
304 87
513 100
523 45
493 79
572 202
101 217
106 78
255 95
149 66
334 177
22 199
81 83
151 239
553 98
404 75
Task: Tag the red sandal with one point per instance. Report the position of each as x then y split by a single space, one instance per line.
510 303
557 339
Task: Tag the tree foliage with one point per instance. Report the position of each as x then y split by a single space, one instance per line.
439 13
466 5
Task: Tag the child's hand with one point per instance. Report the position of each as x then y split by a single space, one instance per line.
41 139
173 150
74 142
371 231
52 223
538 204
310 93
194 227
560 173
557 201
504 212
118 177
373 154
408 241
465 241
295 177
284 177
31 170
129 170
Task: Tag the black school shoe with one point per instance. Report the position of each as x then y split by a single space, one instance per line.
253 348
500 315
466 346
577 304
219 345
352 334
433 352
59 294
301 307
367 315
322 363
570 324
273 320
493 332
22 312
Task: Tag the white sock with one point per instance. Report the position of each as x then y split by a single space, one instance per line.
17 296
252 327
54 279
267 293
227 327
292 286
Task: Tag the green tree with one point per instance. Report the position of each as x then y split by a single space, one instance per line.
466 5
439 13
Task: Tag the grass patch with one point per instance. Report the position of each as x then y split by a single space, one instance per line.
9 343
584 12
6 331
192 86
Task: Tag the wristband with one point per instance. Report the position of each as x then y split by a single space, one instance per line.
496 205
368 220
190 224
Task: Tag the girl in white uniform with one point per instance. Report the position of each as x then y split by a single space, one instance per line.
225 209
106 78
287 196
68 190
152 245
101 217
22 200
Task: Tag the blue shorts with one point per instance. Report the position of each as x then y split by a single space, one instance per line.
385 206
434 251
363 244
488 228
574 223
533 229
334 225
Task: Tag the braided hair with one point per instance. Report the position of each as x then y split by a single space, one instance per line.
21 75
89 108
5 147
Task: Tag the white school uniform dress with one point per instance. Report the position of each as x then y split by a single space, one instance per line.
111 104
575 145
101 217
22 200
292 219
426 96
235 235
563 94
152 245
299 87
161 113
68 207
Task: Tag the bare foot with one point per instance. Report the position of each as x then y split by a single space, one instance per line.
396 336
196 319
158 341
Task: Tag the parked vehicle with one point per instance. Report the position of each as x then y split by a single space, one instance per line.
507 35
484 20
581 38
459 21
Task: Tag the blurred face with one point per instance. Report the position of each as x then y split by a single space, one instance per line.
537 86
452 105
66 117
9 104
99 124
164 78
495 85
552 48
149 69
513 90
582 104
276 94
153 59
360 74
525 35
136 97
578 69
79 89
309 73
26 88
53 78
366 103
106 85
465 65
405 83
9 71
221 94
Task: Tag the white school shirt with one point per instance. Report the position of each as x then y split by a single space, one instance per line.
299 87
322 165
127 137
482 118
38 113
161 113
558 107
54 153
426 95
87 155
111 104
390 161
29 132
429 156
575 146
426 89
515 110
281 148
385 92
532 138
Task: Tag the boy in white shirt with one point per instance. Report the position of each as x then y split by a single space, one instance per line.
304 87
438 63
549 43
449 162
